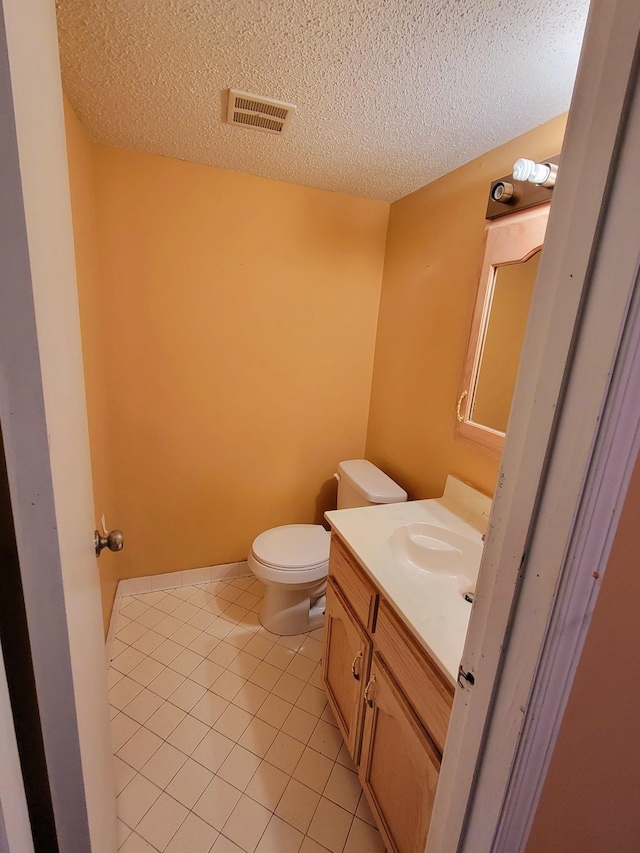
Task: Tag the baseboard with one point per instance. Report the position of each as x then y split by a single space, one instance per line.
170 580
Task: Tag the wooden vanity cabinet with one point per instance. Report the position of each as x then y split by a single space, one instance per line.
345 666
399 766
390 701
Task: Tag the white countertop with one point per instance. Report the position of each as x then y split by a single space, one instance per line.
431 606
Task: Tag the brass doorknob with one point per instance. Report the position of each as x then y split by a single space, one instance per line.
114 541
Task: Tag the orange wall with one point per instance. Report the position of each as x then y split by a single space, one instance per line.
80 151
590 798
240 327
434 252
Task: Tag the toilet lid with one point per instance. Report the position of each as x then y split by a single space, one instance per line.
293 546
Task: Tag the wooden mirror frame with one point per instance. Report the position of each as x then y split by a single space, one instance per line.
510 240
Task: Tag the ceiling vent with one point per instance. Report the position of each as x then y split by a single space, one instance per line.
257 113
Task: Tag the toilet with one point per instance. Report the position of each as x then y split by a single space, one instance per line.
293 560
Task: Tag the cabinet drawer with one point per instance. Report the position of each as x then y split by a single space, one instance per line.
429 694
355 585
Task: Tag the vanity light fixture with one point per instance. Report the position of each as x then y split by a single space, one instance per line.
540 174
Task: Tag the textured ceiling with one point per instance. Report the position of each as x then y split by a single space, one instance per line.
391 94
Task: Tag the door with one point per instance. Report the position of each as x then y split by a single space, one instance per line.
43 420
346 657
399 764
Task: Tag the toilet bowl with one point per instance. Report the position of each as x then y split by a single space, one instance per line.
293 560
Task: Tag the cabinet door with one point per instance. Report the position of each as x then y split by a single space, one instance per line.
399 765
345 668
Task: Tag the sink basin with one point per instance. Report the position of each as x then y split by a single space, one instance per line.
437 550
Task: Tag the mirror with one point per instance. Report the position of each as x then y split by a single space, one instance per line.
505 290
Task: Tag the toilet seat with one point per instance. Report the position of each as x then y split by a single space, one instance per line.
291 554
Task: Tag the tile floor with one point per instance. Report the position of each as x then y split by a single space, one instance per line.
223 739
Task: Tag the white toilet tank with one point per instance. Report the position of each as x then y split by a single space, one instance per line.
360 483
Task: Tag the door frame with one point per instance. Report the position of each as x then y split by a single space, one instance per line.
15 829
570 448
44 427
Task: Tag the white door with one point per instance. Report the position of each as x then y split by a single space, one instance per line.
43 419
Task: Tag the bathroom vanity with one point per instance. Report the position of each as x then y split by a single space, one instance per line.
394 635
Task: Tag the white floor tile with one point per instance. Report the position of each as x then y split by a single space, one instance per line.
223 845
212 751
126 660
299 725
163 765
343 788
194 836
136 800
301 667
149 641
312 649
311 846
209 708
227 685
189 783
239 767
297 805
246 824
280 656
285 752
186 662
123 692
151 617
313 770
223 654
185 635
166 682
274 710
364 811
123 833
267 785
146 671
288 687
312 700
166 652
326 739
330 826
162 821
187 694
259 647
143 706
232 722
279 837
345 759
363 839
124 774
122 728
244 664
217 802
204 644
135 844
258 737
206 673
139 748
250 697
165 719
188 734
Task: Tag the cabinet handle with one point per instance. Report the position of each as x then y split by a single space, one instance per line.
459 414
354 664
367 690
